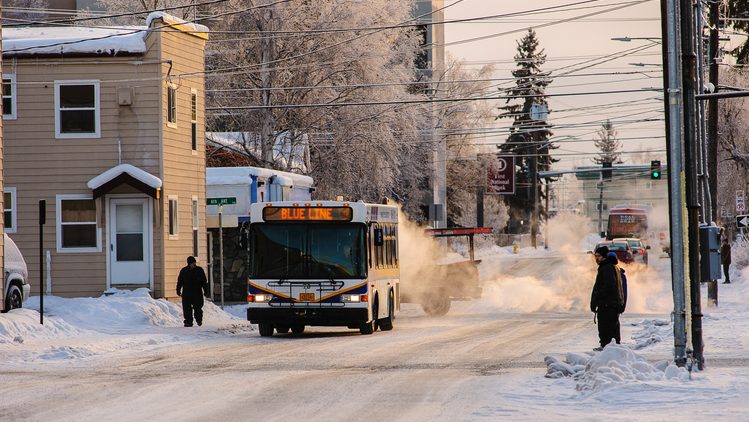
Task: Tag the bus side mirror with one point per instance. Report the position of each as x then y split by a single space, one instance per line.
378 237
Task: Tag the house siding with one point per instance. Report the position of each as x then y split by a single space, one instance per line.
184 169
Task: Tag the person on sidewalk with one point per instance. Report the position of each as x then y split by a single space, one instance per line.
605 299
725 259
191 285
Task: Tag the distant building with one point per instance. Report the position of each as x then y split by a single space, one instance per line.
629 184
107 126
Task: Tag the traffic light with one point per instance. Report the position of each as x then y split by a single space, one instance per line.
655 169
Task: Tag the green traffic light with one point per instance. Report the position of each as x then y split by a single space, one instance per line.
655 175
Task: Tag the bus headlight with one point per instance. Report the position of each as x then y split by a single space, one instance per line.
259 298
354 298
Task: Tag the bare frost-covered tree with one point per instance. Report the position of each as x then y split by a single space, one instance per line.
24 12
184 9
733 151
305 77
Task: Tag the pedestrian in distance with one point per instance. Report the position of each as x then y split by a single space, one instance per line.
725 259
606 299
191 285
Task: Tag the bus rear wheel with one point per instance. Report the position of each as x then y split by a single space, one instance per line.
265 329
386 324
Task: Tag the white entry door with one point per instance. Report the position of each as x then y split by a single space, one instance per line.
129 241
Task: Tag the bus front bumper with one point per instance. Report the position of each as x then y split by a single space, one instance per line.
308 316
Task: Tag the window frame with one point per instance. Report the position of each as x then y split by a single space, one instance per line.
58 223
171 105
172 217
13 96
97 109
13 209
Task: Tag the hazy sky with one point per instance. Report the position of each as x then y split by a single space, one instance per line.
568 45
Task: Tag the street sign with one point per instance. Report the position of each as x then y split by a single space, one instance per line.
221 201
500 175
742 221
740 204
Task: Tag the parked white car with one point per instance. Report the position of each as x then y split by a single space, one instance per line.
17 288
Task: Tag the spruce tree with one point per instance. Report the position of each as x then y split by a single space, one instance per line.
608 145
739 9
529 134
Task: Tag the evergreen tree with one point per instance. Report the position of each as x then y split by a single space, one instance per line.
739 9
529 133
608 144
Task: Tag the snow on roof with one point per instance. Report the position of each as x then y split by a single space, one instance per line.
243 176
176 22
74 40
112 41
133 171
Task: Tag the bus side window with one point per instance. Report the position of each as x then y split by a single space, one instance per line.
368 242
395 245
387 245
391 249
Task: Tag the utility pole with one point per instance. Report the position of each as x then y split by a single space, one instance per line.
600 202
534 187
712 109
672 100
688 68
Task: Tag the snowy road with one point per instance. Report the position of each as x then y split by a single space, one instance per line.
426 368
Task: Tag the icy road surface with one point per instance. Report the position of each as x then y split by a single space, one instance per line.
483 361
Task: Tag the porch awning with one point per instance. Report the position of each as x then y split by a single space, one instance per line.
127 174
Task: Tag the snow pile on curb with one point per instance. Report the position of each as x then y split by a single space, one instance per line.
651 332
615 364
21 324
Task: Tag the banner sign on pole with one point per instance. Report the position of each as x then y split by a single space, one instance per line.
500 175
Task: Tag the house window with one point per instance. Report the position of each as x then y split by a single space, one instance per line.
171 105
77 230
9 209
195 226
77 109
9 97
173 220
194 118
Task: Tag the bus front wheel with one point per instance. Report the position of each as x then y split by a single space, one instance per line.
369 327
266 330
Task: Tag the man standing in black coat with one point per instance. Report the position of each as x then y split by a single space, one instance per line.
605 300
725 259
191 284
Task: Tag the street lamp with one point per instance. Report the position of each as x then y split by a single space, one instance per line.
656 40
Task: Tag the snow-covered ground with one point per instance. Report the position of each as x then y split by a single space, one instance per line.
635 380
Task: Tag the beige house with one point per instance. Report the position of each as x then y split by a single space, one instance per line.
106 126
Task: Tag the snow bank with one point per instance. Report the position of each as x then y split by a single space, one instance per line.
122 310
615 364
21 324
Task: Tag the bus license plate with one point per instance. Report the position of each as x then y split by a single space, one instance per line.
307 297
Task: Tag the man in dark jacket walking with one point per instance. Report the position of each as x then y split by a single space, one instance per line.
191 284
725 259
605 299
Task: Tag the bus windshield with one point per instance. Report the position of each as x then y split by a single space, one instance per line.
307 250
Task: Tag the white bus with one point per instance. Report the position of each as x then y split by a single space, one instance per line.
323 263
